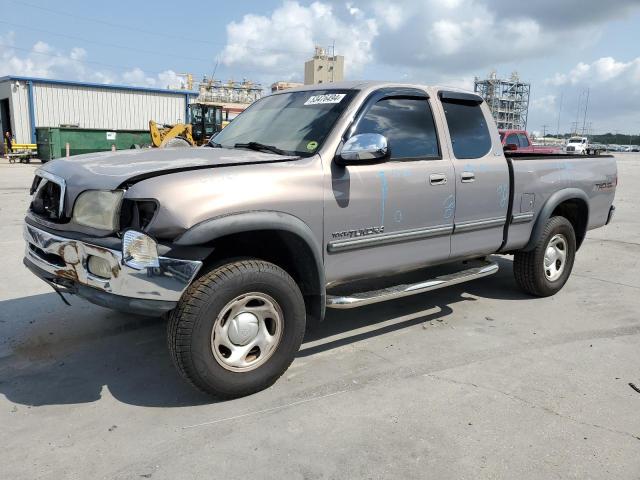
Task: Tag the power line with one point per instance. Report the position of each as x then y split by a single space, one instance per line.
151 32
111 45
88 62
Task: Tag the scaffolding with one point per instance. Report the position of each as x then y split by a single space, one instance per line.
508 100
215 91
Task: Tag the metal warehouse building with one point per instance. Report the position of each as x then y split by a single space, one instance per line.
28 104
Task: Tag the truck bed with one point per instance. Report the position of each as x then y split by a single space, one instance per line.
536 177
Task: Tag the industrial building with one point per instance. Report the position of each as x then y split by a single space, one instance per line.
278 86
233 96
323 68
28 104
508 100
93 117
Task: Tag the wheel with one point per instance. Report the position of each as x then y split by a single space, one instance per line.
237 328
177 142
544 270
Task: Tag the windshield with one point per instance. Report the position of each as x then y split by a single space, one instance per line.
575 140
295 123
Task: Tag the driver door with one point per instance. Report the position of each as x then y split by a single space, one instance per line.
394 215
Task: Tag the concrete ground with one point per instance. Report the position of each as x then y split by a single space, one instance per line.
476 381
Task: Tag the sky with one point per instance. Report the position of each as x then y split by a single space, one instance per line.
567 49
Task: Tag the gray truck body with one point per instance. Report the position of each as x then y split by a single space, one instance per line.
331 224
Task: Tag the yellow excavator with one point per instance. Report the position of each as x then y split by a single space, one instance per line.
206 120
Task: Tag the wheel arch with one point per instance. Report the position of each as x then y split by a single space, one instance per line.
277 237
571 203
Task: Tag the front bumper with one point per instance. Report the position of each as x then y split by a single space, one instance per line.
63 263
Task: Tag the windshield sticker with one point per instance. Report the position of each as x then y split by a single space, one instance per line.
327 98
312 145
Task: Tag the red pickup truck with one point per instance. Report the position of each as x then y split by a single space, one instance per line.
519 141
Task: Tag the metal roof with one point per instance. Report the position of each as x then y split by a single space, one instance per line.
73 83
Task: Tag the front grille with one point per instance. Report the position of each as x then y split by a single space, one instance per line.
50 258
48 196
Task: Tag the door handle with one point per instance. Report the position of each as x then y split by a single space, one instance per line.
468 177
437 179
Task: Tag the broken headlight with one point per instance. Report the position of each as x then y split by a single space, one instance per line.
98 209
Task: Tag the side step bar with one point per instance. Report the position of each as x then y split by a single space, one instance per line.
398 291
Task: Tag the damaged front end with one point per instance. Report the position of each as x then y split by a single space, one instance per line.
99 274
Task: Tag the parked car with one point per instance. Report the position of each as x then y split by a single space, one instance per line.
519 141
332 196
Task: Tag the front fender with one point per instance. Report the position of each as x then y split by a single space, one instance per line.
221 226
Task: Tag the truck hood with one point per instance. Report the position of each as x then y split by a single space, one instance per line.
110 170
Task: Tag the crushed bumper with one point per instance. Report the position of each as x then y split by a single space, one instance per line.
63 262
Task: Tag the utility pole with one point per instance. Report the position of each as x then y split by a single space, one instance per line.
544 134
575 130
586 106
559 113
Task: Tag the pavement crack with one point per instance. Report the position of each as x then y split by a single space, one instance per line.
533 405
266 410
609 240
605 281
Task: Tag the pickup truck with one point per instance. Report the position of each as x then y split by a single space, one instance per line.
519 141
325 196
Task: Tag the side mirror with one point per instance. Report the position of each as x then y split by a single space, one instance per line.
362 148
510 147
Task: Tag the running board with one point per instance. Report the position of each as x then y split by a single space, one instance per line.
398 291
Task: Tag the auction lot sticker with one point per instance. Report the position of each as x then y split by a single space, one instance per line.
326 98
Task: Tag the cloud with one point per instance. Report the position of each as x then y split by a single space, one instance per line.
602 70
612 85
415 39
545 104
45 61
466 35
279 44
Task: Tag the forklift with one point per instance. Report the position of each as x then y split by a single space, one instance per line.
206 120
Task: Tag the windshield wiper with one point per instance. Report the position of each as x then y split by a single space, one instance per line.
213 144
261 147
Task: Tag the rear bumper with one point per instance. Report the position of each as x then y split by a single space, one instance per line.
612 211
63 262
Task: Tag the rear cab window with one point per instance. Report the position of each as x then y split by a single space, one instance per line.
524 141
467 124
512 139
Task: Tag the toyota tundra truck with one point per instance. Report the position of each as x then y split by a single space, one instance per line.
326 196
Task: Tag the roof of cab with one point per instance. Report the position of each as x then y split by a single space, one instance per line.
370 85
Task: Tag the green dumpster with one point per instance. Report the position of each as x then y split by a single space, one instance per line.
52 141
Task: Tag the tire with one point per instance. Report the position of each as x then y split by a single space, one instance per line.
208 324
529 268
177 142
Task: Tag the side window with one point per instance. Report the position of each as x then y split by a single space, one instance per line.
468 129
513 138
408 125
524 141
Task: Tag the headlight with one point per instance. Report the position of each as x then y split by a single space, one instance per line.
98 209
139 250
